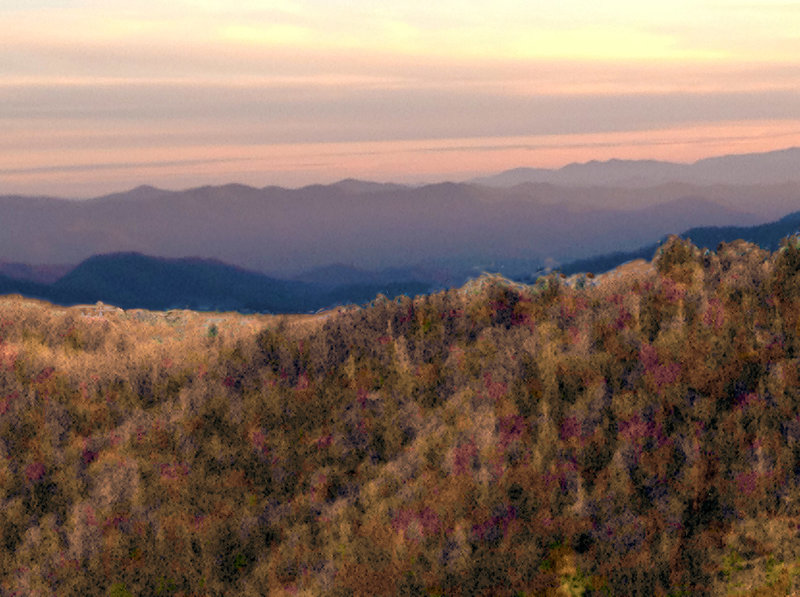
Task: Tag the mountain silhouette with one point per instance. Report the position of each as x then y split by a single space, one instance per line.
766 236
133 280
283 233
774 167
427 236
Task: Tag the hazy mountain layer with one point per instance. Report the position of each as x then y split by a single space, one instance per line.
766 236
44 274
136 281
774 167
283 232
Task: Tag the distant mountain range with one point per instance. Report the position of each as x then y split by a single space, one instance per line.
449 226
774 167
276 249
133 280
44 274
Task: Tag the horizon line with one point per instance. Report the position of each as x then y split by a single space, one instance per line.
474 179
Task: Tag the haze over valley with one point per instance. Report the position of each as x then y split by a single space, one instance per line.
371 234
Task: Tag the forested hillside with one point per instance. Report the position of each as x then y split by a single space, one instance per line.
636 433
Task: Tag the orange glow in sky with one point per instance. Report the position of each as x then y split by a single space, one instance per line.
98 97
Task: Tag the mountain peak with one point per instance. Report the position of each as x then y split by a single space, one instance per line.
145 188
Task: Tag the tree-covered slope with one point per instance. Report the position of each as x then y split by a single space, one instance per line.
638 435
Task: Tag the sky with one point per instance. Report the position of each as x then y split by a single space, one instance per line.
98 96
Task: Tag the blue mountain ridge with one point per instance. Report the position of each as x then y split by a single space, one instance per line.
767 236
133 280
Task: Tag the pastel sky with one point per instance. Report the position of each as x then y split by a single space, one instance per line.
103 95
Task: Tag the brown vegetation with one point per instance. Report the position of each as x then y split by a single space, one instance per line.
634 433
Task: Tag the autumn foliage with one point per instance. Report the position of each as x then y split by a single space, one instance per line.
636 433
